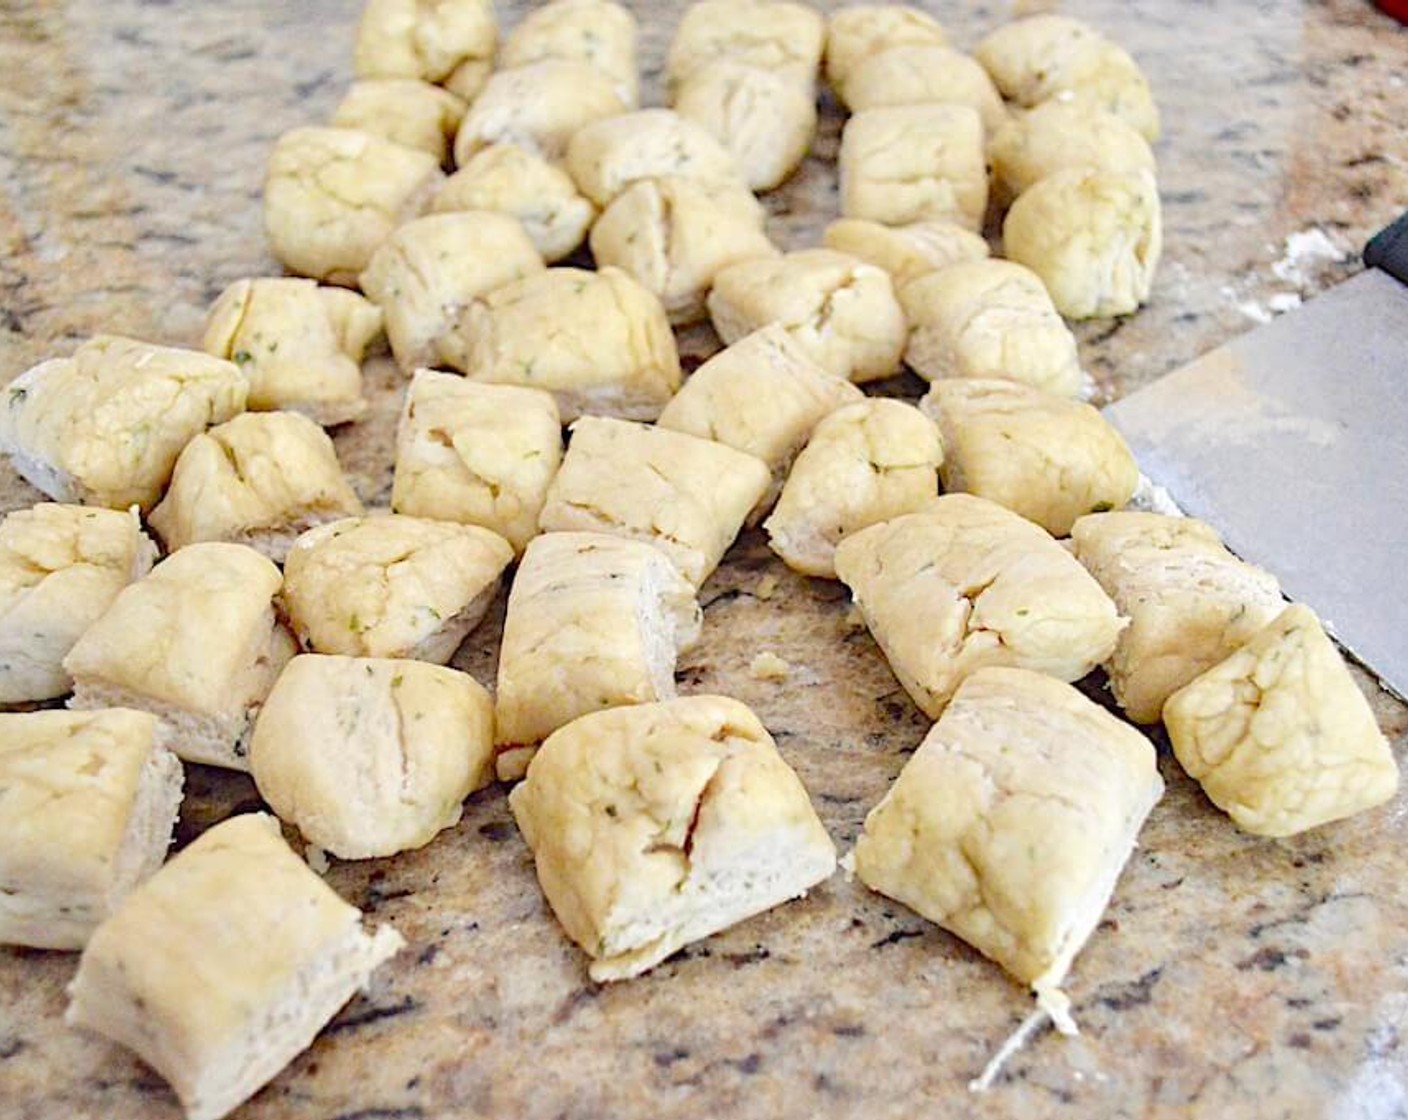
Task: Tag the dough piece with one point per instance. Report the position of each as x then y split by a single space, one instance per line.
865 463
607 156
60 569
299 346
1012 822
157 977
985 319
912 163
764 119
842 312
405 111
1190 602
370 757
104 427
538 108
392 586
260 479
511 180
196 643
87 805
674 235
905 252
686 496
921 74
774 35
1061 135
593 622
333 195
1279 735
858 31
1049 458
1094 237
600 342
658 825
598 32
964 584
448 42
476 454
430 269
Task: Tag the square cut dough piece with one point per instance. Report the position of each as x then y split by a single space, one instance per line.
857 31
430 269
476 454
923 73
104 427
775 35
1189 601
157 976
686 496
333 195
391 586
965 584
1012 822
1060 135
300 346
607 156
600 342
196 643
1279 735
1049 458
260 479
60 569
864 463
598 32
369 757
593 622
841 311
913 163
405 111
87 805
658 825
448 42
537 107
905 252
985 319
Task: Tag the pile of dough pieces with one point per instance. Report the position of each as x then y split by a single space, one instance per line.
292 633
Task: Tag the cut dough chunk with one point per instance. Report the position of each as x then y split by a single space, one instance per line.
157 976
299 346
448 42
965 584
333 195
774 35
905 252
511 180
87 804
842 312
405 111
865 463
392 586
609 155
913 163
985 319
593 622
430 269
1094 237
369 757
196 643
1012 822
686 496
60 569
1061 135
600 342
1190 602
104 427
764 119
921 74
1049 458
658 825
858 31
598 32
476 454
537 107
260 479
674 235
1279 735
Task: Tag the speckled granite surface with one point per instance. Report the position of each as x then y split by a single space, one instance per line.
1232 977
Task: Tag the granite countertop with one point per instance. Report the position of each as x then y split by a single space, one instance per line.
1231 976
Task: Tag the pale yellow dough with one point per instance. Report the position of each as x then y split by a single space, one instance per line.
537 107
858 31
607 156
405 111
776 35
448 42
598 32
1060 135
920 74
906 252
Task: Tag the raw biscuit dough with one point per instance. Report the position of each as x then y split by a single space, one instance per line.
537 107
857 31
906 252
598 32
448 42
774 35
405 111
1060 135
920 74
607 156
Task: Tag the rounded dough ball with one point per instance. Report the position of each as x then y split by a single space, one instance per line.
537 107
1094 238
774 35
448 42
905 252
1058 135
606 157
861 30
598 32
916 75
405 111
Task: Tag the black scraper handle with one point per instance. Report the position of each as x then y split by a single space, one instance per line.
1388 249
